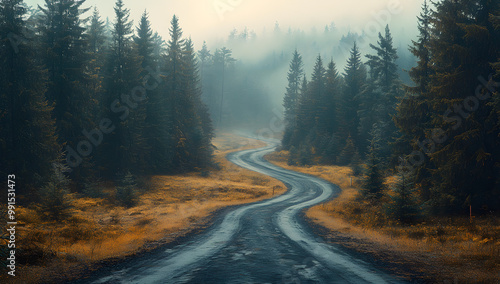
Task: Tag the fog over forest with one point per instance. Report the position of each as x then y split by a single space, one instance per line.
256 140
262 38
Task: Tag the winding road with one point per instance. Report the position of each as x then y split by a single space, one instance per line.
264 242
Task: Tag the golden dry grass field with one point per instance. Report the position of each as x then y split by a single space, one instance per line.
169 207
445 250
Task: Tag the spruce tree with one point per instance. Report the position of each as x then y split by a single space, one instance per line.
204 57
96 32
463 45
421 73
28 140
144 41
175 99
290 100
348 106
222 59
347 154
403 205
126 191
327 143
305 133
200 132
383 66
97 44
125 148
158 50
373 181
55 200
327 115
64 47
384 76
412 113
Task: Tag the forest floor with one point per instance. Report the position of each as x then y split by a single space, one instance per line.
438 250
169 208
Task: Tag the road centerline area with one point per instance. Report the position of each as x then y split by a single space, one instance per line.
263 242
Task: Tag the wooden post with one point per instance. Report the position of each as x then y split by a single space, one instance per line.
470 213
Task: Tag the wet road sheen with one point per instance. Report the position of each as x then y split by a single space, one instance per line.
264 242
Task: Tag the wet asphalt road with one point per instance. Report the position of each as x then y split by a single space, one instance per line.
264 242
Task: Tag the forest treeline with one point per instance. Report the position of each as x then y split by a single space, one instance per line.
84 100
439 134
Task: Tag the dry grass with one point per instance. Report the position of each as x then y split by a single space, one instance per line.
175 206
445 249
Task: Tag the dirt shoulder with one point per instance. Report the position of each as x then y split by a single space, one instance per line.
169 209
439 250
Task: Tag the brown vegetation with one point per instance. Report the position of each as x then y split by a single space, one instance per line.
169 207
452 249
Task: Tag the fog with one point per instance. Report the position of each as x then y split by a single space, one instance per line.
262 36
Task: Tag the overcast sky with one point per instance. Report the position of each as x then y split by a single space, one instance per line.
212 19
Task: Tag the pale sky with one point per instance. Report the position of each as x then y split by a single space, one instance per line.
212 19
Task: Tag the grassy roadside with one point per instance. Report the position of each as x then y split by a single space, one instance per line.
169 207
440 250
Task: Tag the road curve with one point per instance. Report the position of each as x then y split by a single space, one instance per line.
264 242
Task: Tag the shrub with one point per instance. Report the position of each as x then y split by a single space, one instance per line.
55 201
126 192
93 189
403 205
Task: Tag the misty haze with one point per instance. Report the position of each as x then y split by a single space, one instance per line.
238 141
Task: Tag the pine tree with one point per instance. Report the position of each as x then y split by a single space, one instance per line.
327 115
28 139
348 106
207 78
201 130
125 148
204 56
158 50
222 58
373 181
291 97
383 66
326 143
463 45
369 111
96 32
420 49
65 54
348 153
63 39
356 164
97 40
317 89
152 129
403 205
175 100
308 109
144 41
412 113
126 192
56 203
384 76
187 121
331 150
